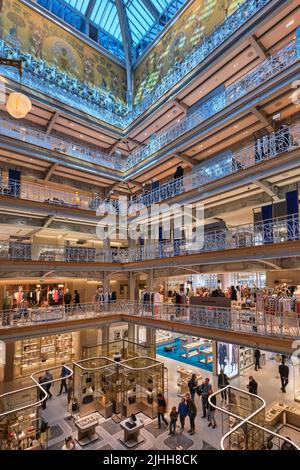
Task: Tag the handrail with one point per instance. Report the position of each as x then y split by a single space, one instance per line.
271 145
257 324
37 385
91 99
266 232
243 420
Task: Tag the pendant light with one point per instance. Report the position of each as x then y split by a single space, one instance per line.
18 105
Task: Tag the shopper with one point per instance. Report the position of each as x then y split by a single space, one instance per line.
48 377
223 381
287 445
76 298
204 391
211 410
70 388
233 293
193 384
252 385
67 300
257 358
42 381
284 375
179 172
192 412
63 383
161 409
182 411
173 421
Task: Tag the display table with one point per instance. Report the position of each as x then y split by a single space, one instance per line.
87 429
207 355
187 348
132 436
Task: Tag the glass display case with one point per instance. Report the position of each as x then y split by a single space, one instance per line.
126 387
20 420
296 372
128 349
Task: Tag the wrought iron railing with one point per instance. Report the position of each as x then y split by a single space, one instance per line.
271 231
39 138
254 323
269 146
263 72
251 80
102 104
272 145
243 420
202 50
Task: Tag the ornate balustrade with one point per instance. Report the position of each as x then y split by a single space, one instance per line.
250 81
271 231
229 319
102 104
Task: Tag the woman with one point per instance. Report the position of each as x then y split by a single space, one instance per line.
182 411
212 410
161 409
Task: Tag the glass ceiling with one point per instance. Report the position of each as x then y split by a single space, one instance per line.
100 20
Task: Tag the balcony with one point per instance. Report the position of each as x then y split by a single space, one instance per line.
268 232
247 325
102 104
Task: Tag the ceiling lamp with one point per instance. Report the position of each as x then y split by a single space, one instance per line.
18 105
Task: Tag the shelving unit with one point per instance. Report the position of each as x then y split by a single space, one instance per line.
246 358
39 353
20 430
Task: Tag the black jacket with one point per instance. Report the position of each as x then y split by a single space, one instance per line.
284 370
253 387
222 380
257 353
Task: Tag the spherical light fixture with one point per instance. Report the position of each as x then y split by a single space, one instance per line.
18 105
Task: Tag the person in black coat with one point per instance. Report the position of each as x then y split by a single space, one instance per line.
193 384
257 358
223 381
252 386
178 173
284 375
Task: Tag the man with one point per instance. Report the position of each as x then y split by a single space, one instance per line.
257 358
192 412
63 383
223 381
205 390
67 300
42 381
284 375
48 377
252 386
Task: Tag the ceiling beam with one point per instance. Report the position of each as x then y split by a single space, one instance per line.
186 159
152 8
52 122
90 8
114 147
263 117
50 171
128 46
182 106
257 46
46 223
268 188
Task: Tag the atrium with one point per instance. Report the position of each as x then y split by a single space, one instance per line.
149 225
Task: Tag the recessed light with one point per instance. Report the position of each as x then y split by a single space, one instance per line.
235 65
178 120
290 23
81 136
145 133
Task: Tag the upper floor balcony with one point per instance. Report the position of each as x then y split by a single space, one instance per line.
102 104
266 233
268 69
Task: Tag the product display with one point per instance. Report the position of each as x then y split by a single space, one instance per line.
21 430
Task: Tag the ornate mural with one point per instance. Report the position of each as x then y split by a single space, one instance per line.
22 27
197 21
